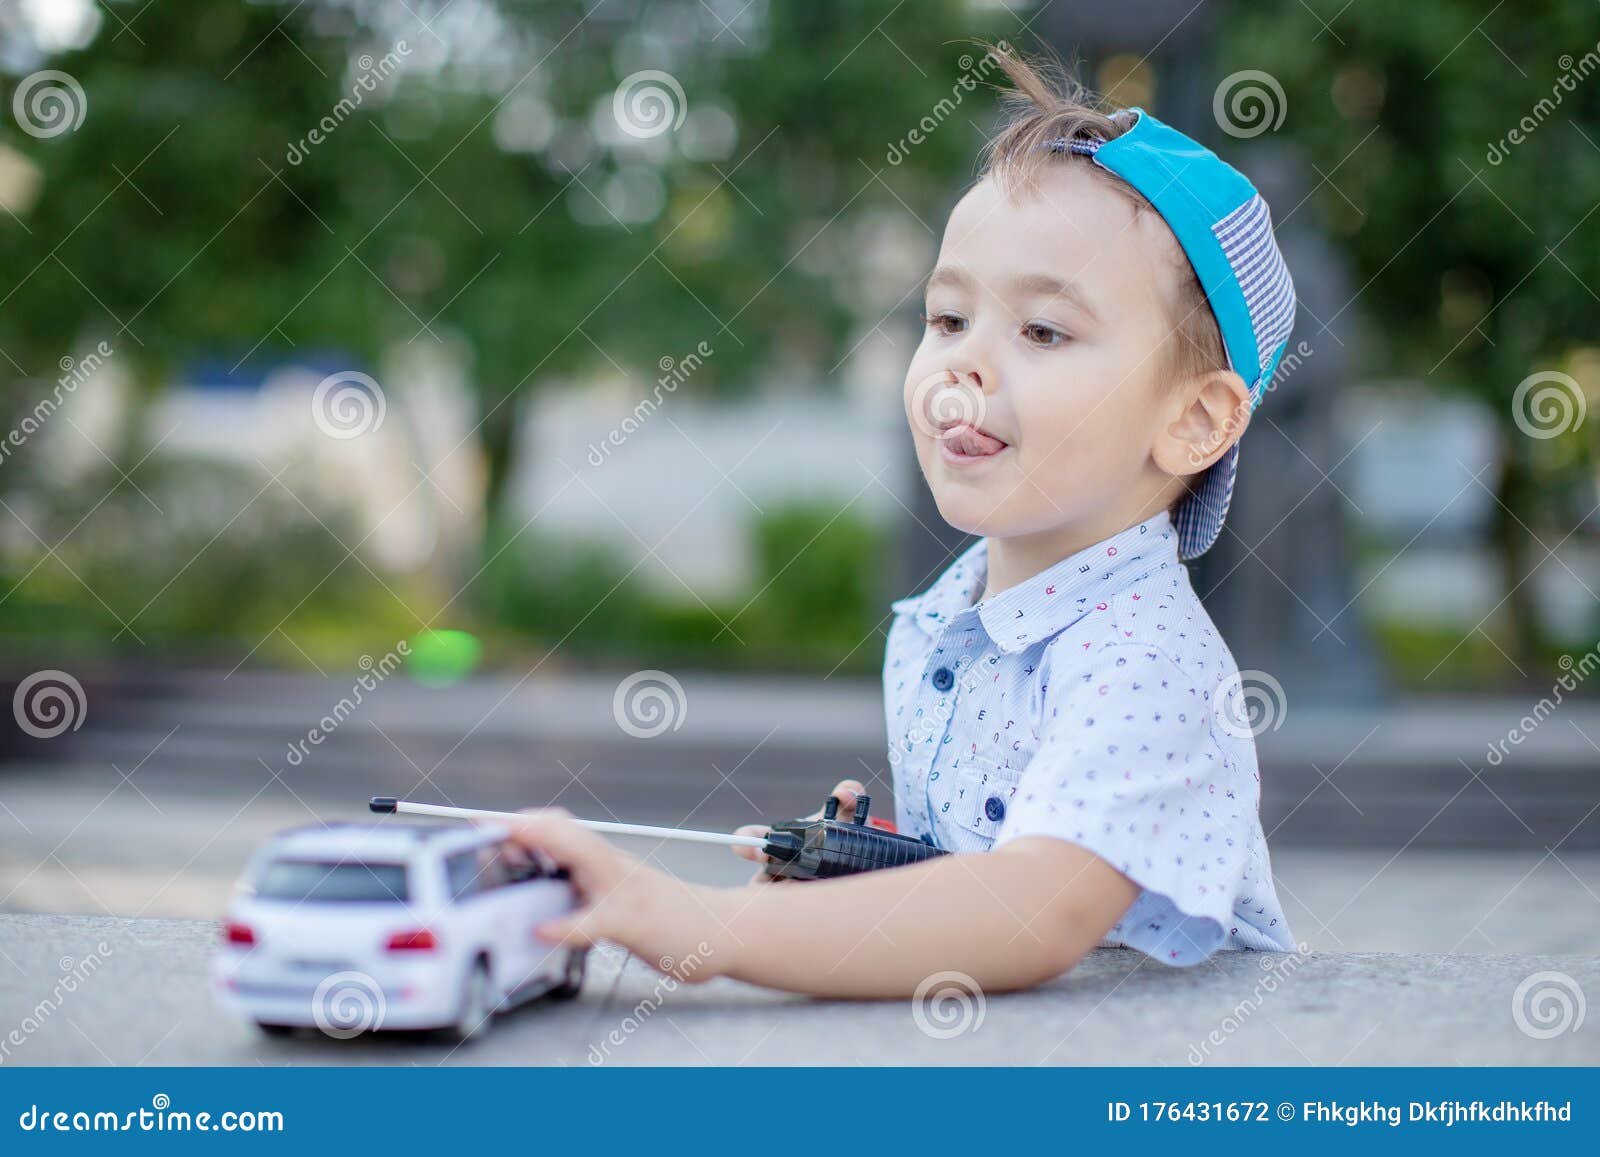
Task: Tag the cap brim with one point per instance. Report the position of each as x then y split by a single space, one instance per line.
1199 518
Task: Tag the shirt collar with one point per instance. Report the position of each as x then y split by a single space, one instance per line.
1051 600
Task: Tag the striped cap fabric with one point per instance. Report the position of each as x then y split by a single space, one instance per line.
1225 228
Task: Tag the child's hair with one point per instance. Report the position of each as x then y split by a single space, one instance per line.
1048 103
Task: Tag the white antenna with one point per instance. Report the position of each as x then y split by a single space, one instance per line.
388 804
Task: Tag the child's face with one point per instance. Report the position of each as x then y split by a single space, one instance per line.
1037 408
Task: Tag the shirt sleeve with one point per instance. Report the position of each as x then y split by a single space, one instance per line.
1127 767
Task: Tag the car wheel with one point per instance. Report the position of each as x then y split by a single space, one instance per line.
275 1029
473 1009
571 982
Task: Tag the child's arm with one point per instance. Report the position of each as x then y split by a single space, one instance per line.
1009 918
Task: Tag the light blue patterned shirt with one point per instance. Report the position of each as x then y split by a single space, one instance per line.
1095 703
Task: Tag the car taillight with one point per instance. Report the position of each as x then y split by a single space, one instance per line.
416 940
235 933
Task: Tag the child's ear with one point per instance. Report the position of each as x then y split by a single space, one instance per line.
1212 412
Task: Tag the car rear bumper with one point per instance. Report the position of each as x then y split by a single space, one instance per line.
340 1003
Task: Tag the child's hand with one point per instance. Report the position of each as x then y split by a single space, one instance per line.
621 899
847 791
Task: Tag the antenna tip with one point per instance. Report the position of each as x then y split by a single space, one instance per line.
384 804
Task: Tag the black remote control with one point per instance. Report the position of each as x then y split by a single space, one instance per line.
829 847
810 849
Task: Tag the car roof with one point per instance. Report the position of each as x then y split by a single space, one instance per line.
391 839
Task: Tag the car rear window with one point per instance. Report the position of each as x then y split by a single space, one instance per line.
333 881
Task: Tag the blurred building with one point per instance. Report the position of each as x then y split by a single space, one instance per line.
681 488
399 456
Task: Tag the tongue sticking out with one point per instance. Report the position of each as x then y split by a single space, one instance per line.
971 443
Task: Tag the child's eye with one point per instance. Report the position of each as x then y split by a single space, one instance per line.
945 323
1043 335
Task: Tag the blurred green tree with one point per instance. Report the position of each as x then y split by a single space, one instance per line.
189 212
1459 156
254 179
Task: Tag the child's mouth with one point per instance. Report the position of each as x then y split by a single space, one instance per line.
964 444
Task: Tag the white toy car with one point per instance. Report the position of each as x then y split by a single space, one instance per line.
353 928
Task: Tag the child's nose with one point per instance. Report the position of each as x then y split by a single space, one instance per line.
974 377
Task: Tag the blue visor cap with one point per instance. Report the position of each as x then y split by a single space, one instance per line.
1225 229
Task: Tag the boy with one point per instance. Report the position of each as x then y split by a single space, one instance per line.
1108 306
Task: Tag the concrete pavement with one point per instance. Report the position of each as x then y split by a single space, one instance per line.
147 1003
150 813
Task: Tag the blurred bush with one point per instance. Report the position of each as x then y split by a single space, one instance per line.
822 574
818 603
197 557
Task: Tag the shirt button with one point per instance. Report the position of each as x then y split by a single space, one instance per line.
995 808
943 680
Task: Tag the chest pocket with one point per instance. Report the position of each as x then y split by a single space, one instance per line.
978 796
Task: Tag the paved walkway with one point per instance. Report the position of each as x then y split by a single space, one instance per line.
147 1003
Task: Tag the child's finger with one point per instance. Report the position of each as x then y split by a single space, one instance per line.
569 931
763 877
848 791
590 858
755 855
